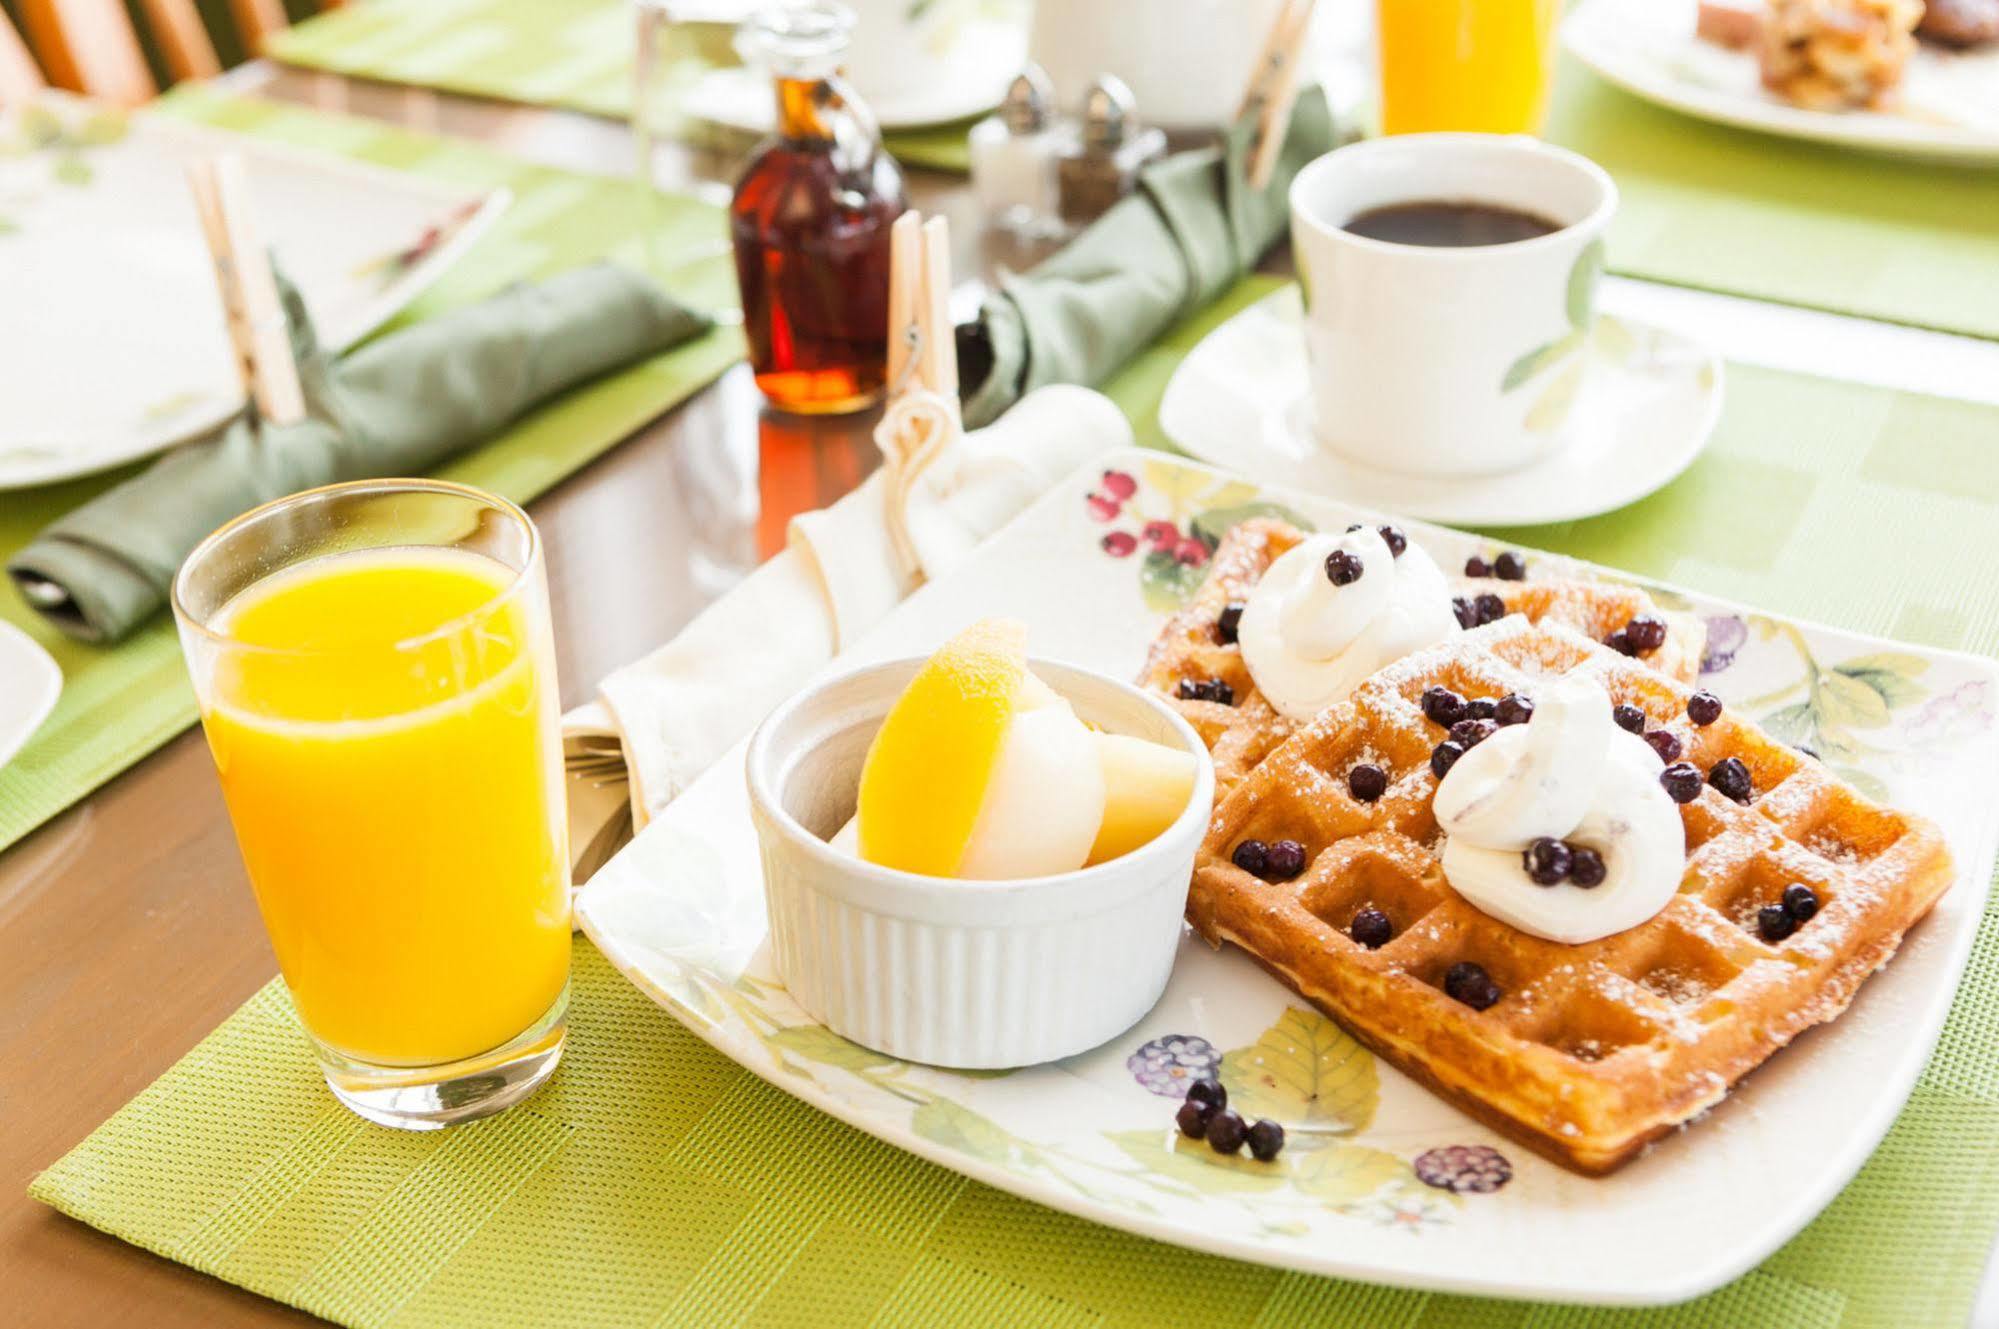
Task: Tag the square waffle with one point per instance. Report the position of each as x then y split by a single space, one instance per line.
1593 1050
1243 733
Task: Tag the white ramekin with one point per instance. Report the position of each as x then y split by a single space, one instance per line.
968 974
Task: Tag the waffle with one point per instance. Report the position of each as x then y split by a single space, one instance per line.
1594 1050
1242 734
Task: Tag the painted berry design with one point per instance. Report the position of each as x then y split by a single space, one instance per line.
1464 1169
1168 1065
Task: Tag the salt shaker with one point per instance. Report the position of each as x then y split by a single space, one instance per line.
1103 165
1014 152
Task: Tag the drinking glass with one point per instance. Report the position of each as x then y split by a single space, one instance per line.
1476 65
377 682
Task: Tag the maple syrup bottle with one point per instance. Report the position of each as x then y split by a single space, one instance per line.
810 222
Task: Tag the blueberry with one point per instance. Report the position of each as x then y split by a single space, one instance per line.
1731 778
1230 623
1775 923
1477 567
1620 641
1800 901
1444 756
1192 1119
1252 856
1646 632
1467 616
1547 861
1284 860
1443 706
1208 1093
1371 928
1490 608
1367 782
1813 753
1682 782
1226 1131
1666 744
1189 690
1207 689
1355 526
1704 708
1221 692
1469 734
1509 566
1343 568
1513 709
1393 537
1628 717
1586 867
1266 1138
1481 708
1470 984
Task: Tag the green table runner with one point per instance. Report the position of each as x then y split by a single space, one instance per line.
119 704
575 54
655 1182
1781 219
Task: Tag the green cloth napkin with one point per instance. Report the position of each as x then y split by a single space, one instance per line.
397 406
1188 233
574 54
654 1182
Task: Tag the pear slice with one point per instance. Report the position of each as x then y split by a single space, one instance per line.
1146 788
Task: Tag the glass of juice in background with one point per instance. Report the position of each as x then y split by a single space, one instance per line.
1482 66
377 681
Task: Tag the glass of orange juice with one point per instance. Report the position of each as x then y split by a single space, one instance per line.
1483 66
377 681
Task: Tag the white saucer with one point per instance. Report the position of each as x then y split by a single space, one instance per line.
30 682
1242 400
971 81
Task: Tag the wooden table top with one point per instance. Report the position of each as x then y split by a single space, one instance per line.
127 928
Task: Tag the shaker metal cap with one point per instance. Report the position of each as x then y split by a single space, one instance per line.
1025 109
1108 112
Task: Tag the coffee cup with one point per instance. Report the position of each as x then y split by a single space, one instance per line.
1432 352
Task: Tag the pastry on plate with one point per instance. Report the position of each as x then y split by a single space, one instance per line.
1209 657
1832 55
1960 23
1582 921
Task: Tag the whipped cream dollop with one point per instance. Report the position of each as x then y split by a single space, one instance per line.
1570 773
1309 642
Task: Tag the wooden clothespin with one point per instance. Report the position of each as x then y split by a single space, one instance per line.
922 419
1273 86
249 288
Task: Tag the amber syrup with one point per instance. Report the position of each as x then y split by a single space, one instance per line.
810 221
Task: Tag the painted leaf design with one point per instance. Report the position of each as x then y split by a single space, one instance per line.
1866 782
1180 484
958 1127
1345 1173
1550 410
1535 361
1581 296
1304 1070
1790 724
1846 700
1230 493
1166 582
72 171
100 128
1216 522
1612 339
1192 1163
817 1043
1889 673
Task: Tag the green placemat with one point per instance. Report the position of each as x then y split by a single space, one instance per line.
575 54
1780 219
655 1182
118 704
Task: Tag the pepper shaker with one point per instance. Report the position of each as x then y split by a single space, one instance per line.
1014 153
1103 165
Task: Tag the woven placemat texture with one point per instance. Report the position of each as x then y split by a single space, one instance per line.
655 1182
1704 204
120 703
574 54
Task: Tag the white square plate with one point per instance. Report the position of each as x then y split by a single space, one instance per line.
680 911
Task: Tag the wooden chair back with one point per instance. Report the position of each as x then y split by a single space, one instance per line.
92 46
19 78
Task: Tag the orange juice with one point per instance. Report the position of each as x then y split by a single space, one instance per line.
1478 65
385 728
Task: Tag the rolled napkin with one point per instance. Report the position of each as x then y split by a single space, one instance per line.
660 721
1193 227
396 406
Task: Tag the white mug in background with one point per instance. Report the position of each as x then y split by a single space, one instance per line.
897 45
1448 361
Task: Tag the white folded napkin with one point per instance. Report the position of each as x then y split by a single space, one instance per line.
660 721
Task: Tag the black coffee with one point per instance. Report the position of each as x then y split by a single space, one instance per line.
1447 225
